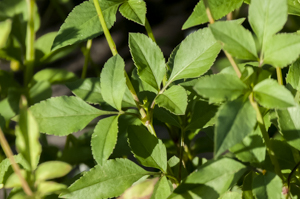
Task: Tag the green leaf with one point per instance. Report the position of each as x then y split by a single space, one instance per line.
210 180
162 189
134 10
294 7
46 188
218 9
14 181
27 136
148 58
235 120
165 116
87 89
52 169
282 49
272 95
5 27
149 150
104 139
140 85
195 55
284 154
40 91
83 23
231 195
293 77
141 189
113 82
267 186
106 181
54 76
288 120
267 17
174 163
235 38
174 100
64 115
220 87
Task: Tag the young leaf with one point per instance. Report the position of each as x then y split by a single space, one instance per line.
294 7
162 189
46 188
220 87
106 181
134 10
268 185
54 76
267 17
272 95
293 77
52 169
64 115
104 139
87 89
218 9
235 120
195 55
83 23
148 58
149 150
210 180
113 82
235 38
288 120
282 49
27 136
174 100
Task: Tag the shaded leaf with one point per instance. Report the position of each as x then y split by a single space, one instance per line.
293 77
294 7
40 91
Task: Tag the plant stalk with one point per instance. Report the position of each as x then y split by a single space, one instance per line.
149 30
279 75
15 166
87 58
265 135
30 53
181 153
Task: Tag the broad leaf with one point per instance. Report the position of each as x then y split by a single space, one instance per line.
288 120
52 169
174 100
134 10
293 77
272 95
106 181
113 82
87 89
235 38
148 58
220 87
218 8
54 76
195 55
64 115
210 180
148 149
162 189
268 185
267 17
294 7
104 139
282 49
27 136
83 23
40 91
235 120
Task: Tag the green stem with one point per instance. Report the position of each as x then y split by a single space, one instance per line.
279 75
297 96
265 135
173 178
181 153
15 166
30 43
291 175
87 58
149 30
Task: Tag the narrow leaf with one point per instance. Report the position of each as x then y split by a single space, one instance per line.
236 39
162 189
134 10
64 115
218 9
113 82
220 87
148 59
174 100
235 120
195 55
148 149
106 181
293 77
272 95
52 169
104 139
